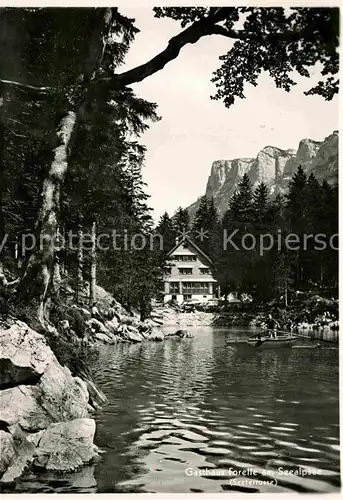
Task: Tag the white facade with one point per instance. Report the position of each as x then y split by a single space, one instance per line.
190 274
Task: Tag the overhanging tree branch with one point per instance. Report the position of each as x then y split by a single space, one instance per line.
203 27
189 36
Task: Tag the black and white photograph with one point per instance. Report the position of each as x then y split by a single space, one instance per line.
169 248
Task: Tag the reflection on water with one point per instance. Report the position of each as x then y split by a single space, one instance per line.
179 408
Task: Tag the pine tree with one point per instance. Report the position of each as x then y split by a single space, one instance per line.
165 228
296 215
205 226
181 221
283 277
260 206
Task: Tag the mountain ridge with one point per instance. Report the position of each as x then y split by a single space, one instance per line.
273 166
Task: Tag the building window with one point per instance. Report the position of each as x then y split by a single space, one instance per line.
185 270
187 297
185 258
204 270
174 287
195 288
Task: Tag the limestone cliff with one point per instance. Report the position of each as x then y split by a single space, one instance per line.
273 166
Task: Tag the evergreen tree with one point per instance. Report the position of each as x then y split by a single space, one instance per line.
205 226
296 208
240 204
283 281
236 260
181 221
260 206
165 228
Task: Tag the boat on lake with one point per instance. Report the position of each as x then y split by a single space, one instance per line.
282 340
261 341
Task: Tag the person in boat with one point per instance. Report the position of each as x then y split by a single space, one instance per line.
272 325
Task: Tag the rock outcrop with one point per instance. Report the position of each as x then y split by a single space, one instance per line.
44 410
273 166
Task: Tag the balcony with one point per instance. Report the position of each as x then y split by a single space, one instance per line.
196 291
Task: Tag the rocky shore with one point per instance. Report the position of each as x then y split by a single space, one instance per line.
47 396
45 412
168 316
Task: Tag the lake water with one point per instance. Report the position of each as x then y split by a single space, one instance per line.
193 415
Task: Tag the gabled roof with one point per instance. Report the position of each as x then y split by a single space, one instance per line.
188 240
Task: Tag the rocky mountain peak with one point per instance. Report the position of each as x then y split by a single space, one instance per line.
274 167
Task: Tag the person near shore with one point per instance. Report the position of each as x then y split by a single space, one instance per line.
272 325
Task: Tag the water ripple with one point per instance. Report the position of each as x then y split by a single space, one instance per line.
177 410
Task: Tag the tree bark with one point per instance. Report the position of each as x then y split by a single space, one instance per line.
93 266
36 280
57 280
79 279
40 265
2 144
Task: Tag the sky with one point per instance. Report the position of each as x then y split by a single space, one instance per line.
195 130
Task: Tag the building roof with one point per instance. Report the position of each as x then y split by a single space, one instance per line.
188 240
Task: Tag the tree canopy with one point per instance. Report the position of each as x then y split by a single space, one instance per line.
276 40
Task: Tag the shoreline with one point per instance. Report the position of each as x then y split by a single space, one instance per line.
48 399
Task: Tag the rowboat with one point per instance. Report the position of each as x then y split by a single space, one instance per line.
275 341
271 339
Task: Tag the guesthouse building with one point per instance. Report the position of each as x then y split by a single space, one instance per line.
189 274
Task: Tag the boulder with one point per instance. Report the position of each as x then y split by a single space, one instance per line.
156 315
24 355
66 446
131 321
182 334
44 410
20 405
22 456
112 325
97 326
104 338
84 312
132 329
156 335
153 321
7 450
135 336
64 397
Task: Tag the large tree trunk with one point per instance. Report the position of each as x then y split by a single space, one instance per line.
39 268
2 143
37 278
92 283
79 279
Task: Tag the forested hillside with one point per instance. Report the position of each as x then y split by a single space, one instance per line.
269 247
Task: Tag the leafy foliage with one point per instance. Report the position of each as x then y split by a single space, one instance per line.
279 41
